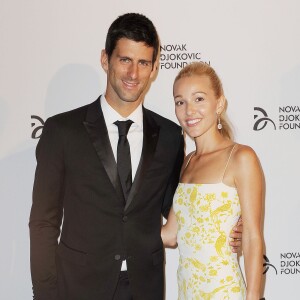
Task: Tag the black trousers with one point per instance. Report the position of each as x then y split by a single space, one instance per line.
123 288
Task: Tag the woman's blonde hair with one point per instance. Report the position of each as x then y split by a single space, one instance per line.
201 68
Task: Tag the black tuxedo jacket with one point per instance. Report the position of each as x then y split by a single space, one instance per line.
77 196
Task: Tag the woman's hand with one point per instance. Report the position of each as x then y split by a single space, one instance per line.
168 237
169 231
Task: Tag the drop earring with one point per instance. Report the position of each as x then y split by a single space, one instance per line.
220 126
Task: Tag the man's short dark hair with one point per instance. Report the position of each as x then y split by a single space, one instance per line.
135 27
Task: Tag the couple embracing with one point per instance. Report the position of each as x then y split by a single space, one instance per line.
106 173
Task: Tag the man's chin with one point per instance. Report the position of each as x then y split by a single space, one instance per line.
132 99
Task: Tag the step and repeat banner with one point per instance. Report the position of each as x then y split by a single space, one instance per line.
49 63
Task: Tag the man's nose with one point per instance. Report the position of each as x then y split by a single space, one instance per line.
133 71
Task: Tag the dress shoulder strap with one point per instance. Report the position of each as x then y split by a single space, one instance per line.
228 160
192 154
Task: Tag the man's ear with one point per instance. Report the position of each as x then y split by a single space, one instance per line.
104 60
154 69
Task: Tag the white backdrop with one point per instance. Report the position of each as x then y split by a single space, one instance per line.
49 63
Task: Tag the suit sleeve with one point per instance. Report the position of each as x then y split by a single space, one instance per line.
174 179
46 212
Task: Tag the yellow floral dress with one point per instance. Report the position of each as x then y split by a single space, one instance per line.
206 214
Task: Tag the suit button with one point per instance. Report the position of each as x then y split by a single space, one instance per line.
117 257
125 218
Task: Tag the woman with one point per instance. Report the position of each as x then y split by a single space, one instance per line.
220 181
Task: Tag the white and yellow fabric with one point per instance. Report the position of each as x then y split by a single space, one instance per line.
206 213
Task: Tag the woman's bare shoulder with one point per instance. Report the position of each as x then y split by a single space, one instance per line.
189 155
245 157
244 152
187 160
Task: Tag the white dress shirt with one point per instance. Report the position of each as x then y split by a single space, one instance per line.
134 136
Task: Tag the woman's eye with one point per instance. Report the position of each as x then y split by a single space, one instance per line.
199 99
178 103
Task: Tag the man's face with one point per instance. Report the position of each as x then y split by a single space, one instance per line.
128 73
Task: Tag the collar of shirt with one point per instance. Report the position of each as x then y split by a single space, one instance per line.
111 116
135 135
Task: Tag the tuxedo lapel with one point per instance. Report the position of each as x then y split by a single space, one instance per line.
150 138
97 131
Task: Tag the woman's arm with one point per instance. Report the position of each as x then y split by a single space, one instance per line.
250 186
169 231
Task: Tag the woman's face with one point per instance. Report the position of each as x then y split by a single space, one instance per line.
196 105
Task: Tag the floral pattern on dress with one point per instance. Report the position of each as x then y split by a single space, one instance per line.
206 213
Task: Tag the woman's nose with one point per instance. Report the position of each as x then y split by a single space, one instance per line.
190 109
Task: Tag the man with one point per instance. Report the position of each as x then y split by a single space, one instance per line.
110 245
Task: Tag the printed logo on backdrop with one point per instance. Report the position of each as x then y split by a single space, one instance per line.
176 56
262 119
288 118
267 265
38 124
288 265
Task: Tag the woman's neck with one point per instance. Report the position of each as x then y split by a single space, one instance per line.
211 143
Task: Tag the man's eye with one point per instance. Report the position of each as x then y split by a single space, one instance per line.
124 60
145 63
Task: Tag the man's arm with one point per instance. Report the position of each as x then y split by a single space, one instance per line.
46 212
174 179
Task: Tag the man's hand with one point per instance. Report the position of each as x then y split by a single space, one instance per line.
236 237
